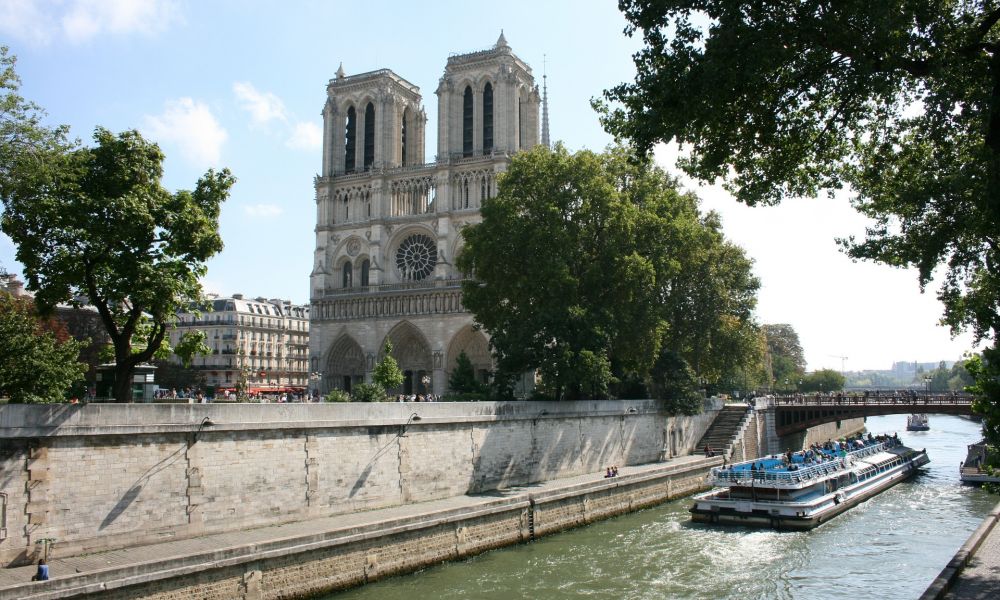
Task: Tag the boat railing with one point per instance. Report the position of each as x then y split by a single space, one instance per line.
731 476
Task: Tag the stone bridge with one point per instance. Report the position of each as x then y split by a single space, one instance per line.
792 414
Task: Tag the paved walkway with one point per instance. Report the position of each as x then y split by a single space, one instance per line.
974 572
292 534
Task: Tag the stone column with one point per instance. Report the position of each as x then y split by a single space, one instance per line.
444 94
329 118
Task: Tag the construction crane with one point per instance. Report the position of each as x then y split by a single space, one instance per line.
843 359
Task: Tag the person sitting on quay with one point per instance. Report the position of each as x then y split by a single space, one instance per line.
43 572
709 451
614 471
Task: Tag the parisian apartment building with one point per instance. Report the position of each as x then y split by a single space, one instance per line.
261 343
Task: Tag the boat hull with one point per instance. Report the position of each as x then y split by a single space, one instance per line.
801 516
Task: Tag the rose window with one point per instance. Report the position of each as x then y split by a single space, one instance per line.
416 257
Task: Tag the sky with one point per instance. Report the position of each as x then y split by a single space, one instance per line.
240 84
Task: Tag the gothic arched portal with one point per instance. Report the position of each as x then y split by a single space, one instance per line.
413 353
476 347
345 364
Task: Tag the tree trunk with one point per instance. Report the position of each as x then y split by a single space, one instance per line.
123 382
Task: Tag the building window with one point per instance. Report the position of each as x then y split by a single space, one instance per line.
487 118
348 271
369 136
406 117
416 257
364 272
350 140
467 122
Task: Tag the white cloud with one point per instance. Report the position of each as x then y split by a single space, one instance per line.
192 127
306 135
38 21
262 106
26 20
263 210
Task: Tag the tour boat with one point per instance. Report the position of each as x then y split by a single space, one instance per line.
804 489
971 469
917 422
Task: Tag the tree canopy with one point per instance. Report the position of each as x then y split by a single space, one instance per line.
95 223
387 374
786 359
823 380
586 264
897 100
39 361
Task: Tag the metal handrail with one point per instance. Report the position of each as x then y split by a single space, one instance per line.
730 476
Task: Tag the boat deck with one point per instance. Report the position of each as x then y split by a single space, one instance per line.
800 468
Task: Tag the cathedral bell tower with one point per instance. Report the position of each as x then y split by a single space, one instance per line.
487 103
371 121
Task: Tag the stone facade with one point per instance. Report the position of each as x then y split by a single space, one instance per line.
262 343
95 477
388 224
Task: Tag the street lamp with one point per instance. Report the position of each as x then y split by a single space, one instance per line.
314 378
426 381
927 384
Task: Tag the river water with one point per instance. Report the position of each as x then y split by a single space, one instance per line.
889 547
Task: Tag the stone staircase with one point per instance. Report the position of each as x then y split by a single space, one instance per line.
723 430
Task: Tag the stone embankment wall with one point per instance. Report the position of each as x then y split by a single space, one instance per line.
369 546
102 476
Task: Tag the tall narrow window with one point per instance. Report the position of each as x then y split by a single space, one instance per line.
369 136
365 267
487 118
348 272
520 121
467 122
350 140
406 117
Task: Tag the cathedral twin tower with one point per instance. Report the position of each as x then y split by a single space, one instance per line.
388 223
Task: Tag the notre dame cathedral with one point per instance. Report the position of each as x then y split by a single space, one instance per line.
388 222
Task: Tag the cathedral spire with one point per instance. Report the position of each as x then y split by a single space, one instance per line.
501 41
340 71
545 105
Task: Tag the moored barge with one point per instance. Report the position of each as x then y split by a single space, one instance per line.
802 490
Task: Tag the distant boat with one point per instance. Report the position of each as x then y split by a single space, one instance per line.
971 471
917 422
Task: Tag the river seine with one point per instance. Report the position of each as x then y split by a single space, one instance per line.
889 547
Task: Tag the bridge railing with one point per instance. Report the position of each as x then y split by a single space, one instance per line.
918 400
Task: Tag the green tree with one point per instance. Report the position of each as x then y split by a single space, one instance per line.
674 382
586 263
823 380
368 392
101 226
387 374
787 361
463 379
985 370
337 396
783 98
37 364
560 268
709 304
